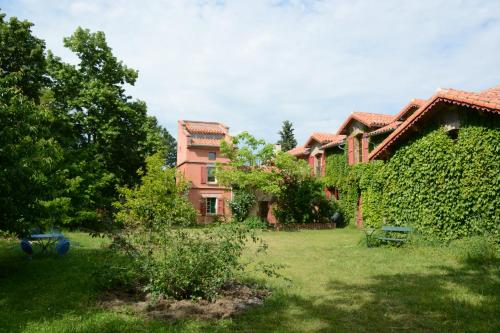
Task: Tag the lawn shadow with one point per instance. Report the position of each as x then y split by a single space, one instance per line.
444 299
47 287
464 299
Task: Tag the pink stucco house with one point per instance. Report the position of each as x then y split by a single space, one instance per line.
198 149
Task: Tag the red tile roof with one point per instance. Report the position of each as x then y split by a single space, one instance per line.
487 100
368 119
323 138
204 142
298 151
388 128
339 139
414 103
205 127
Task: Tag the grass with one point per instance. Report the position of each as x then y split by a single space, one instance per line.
338 285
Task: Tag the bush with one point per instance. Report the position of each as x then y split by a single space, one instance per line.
171 261
196 264
160 201
303 201
241 204
255 222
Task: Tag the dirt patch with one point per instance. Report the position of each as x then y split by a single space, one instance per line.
234 298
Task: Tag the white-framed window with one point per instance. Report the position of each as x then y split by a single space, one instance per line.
211 175
211 206
212 156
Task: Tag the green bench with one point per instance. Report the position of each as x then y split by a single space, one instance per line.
389 233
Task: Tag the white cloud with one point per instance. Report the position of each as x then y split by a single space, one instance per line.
252 64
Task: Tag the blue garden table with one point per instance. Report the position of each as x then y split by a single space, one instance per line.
46 240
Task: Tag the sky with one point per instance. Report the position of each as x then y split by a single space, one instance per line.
251 64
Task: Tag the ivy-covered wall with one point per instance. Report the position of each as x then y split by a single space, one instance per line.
444 187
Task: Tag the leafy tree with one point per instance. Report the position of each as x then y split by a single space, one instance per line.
255 166
287 138
29 177
22 58
107 135
32 187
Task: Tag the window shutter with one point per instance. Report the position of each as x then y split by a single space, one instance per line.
323 164
311 164
350 150
220 206
364 147
203 207
203 174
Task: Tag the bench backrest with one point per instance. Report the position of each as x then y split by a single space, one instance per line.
390 228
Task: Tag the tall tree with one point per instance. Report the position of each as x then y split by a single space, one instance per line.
110 133
31 184
22 57
287 138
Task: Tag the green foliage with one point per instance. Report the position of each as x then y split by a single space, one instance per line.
443 187
287 138
159 201
477 250
241 204
196 264
303 201
249 164
345 179
254 165
255 222
175 262
69 133
22 58
31 186
106 135
446 187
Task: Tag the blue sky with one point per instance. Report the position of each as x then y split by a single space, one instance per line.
252 64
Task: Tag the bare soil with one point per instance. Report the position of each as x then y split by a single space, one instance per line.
234 298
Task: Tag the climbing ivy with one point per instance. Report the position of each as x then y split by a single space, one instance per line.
340 175
447 187
443 186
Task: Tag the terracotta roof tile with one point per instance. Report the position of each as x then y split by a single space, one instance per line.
388 128
339 139
204 127
299 150
204 142
403 113
368 119
323 138
486 100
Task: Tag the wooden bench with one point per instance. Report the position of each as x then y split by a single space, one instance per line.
388 234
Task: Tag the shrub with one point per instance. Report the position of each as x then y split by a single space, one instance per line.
241 204
173 262
159 201
303 201
255 222
196 264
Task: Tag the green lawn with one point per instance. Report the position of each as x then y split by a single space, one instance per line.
338 285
